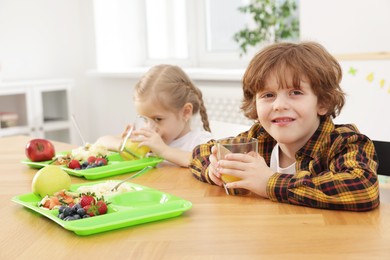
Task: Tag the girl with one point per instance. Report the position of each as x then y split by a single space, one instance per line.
166 95
304 158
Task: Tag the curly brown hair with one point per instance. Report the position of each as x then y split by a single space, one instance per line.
304 61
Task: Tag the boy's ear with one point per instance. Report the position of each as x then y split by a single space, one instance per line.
187 111
322 109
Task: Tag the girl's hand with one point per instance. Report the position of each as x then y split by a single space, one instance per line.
214 175
150 138
252 170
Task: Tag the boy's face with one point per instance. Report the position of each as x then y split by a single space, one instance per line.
289 115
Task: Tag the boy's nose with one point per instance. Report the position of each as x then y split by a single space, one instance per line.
280 103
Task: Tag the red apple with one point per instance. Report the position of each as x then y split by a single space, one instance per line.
38 150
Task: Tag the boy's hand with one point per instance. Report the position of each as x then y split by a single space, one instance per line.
252 170
214 175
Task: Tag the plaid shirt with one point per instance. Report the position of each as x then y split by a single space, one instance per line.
335 169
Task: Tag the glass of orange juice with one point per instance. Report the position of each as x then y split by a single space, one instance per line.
130 150
234 145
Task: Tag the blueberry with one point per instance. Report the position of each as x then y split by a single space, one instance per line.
85 164
67 211
81 212
61 209
69 218
74 208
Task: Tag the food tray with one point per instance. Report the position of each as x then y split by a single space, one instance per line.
115 166
126 209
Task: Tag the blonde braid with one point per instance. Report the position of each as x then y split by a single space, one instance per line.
204 117
202 110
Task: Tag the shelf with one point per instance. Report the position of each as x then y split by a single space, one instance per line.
17 130
58 135
42 107
56 125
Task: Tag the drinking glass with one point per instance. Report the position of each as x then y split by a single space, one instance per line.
129 149
234 145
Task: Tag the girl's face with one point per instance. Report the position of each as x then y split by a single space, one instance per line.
170 125
290 116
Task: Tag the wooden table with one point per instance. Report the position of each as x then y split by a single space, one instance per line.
217 227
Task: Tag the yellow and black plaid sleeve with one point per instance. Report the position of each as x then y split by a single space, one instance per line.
341 176
200 161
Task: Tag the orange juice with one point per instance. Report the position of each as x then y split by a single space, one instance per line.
229 178
234 145
131 151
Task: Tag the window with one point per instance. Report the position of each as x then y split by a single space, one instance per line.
166 29
222 21
218 20
196 33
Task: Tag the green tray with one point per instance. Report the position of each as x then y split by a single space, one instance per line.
115 166
127 209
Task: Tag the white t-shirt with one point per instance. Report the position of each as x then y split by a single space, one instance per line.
193 138
275 163
188 142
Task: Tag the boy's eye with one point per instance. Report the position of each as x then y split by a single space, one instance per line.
266 95
296 92
157 119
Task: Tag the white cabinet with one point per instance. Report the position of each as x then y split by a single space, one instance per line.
42 107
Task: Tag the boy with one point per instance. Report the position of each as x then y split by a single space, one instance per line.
293 91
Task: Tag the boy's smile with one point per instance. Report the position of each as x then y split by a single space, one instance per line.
282 121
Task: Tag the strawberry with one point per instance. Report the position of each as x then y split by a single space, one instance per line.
91 159
90 210
101 206
74 164
100 161
87 199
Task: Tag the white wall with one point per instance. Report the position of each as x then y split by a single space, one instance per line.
368 97
111 106
48 39
347 26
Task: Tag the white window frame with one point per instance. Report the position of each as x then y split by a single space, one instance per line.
198 55
206 58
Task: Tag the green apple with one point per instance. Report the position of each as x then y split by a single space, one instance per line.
49 180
